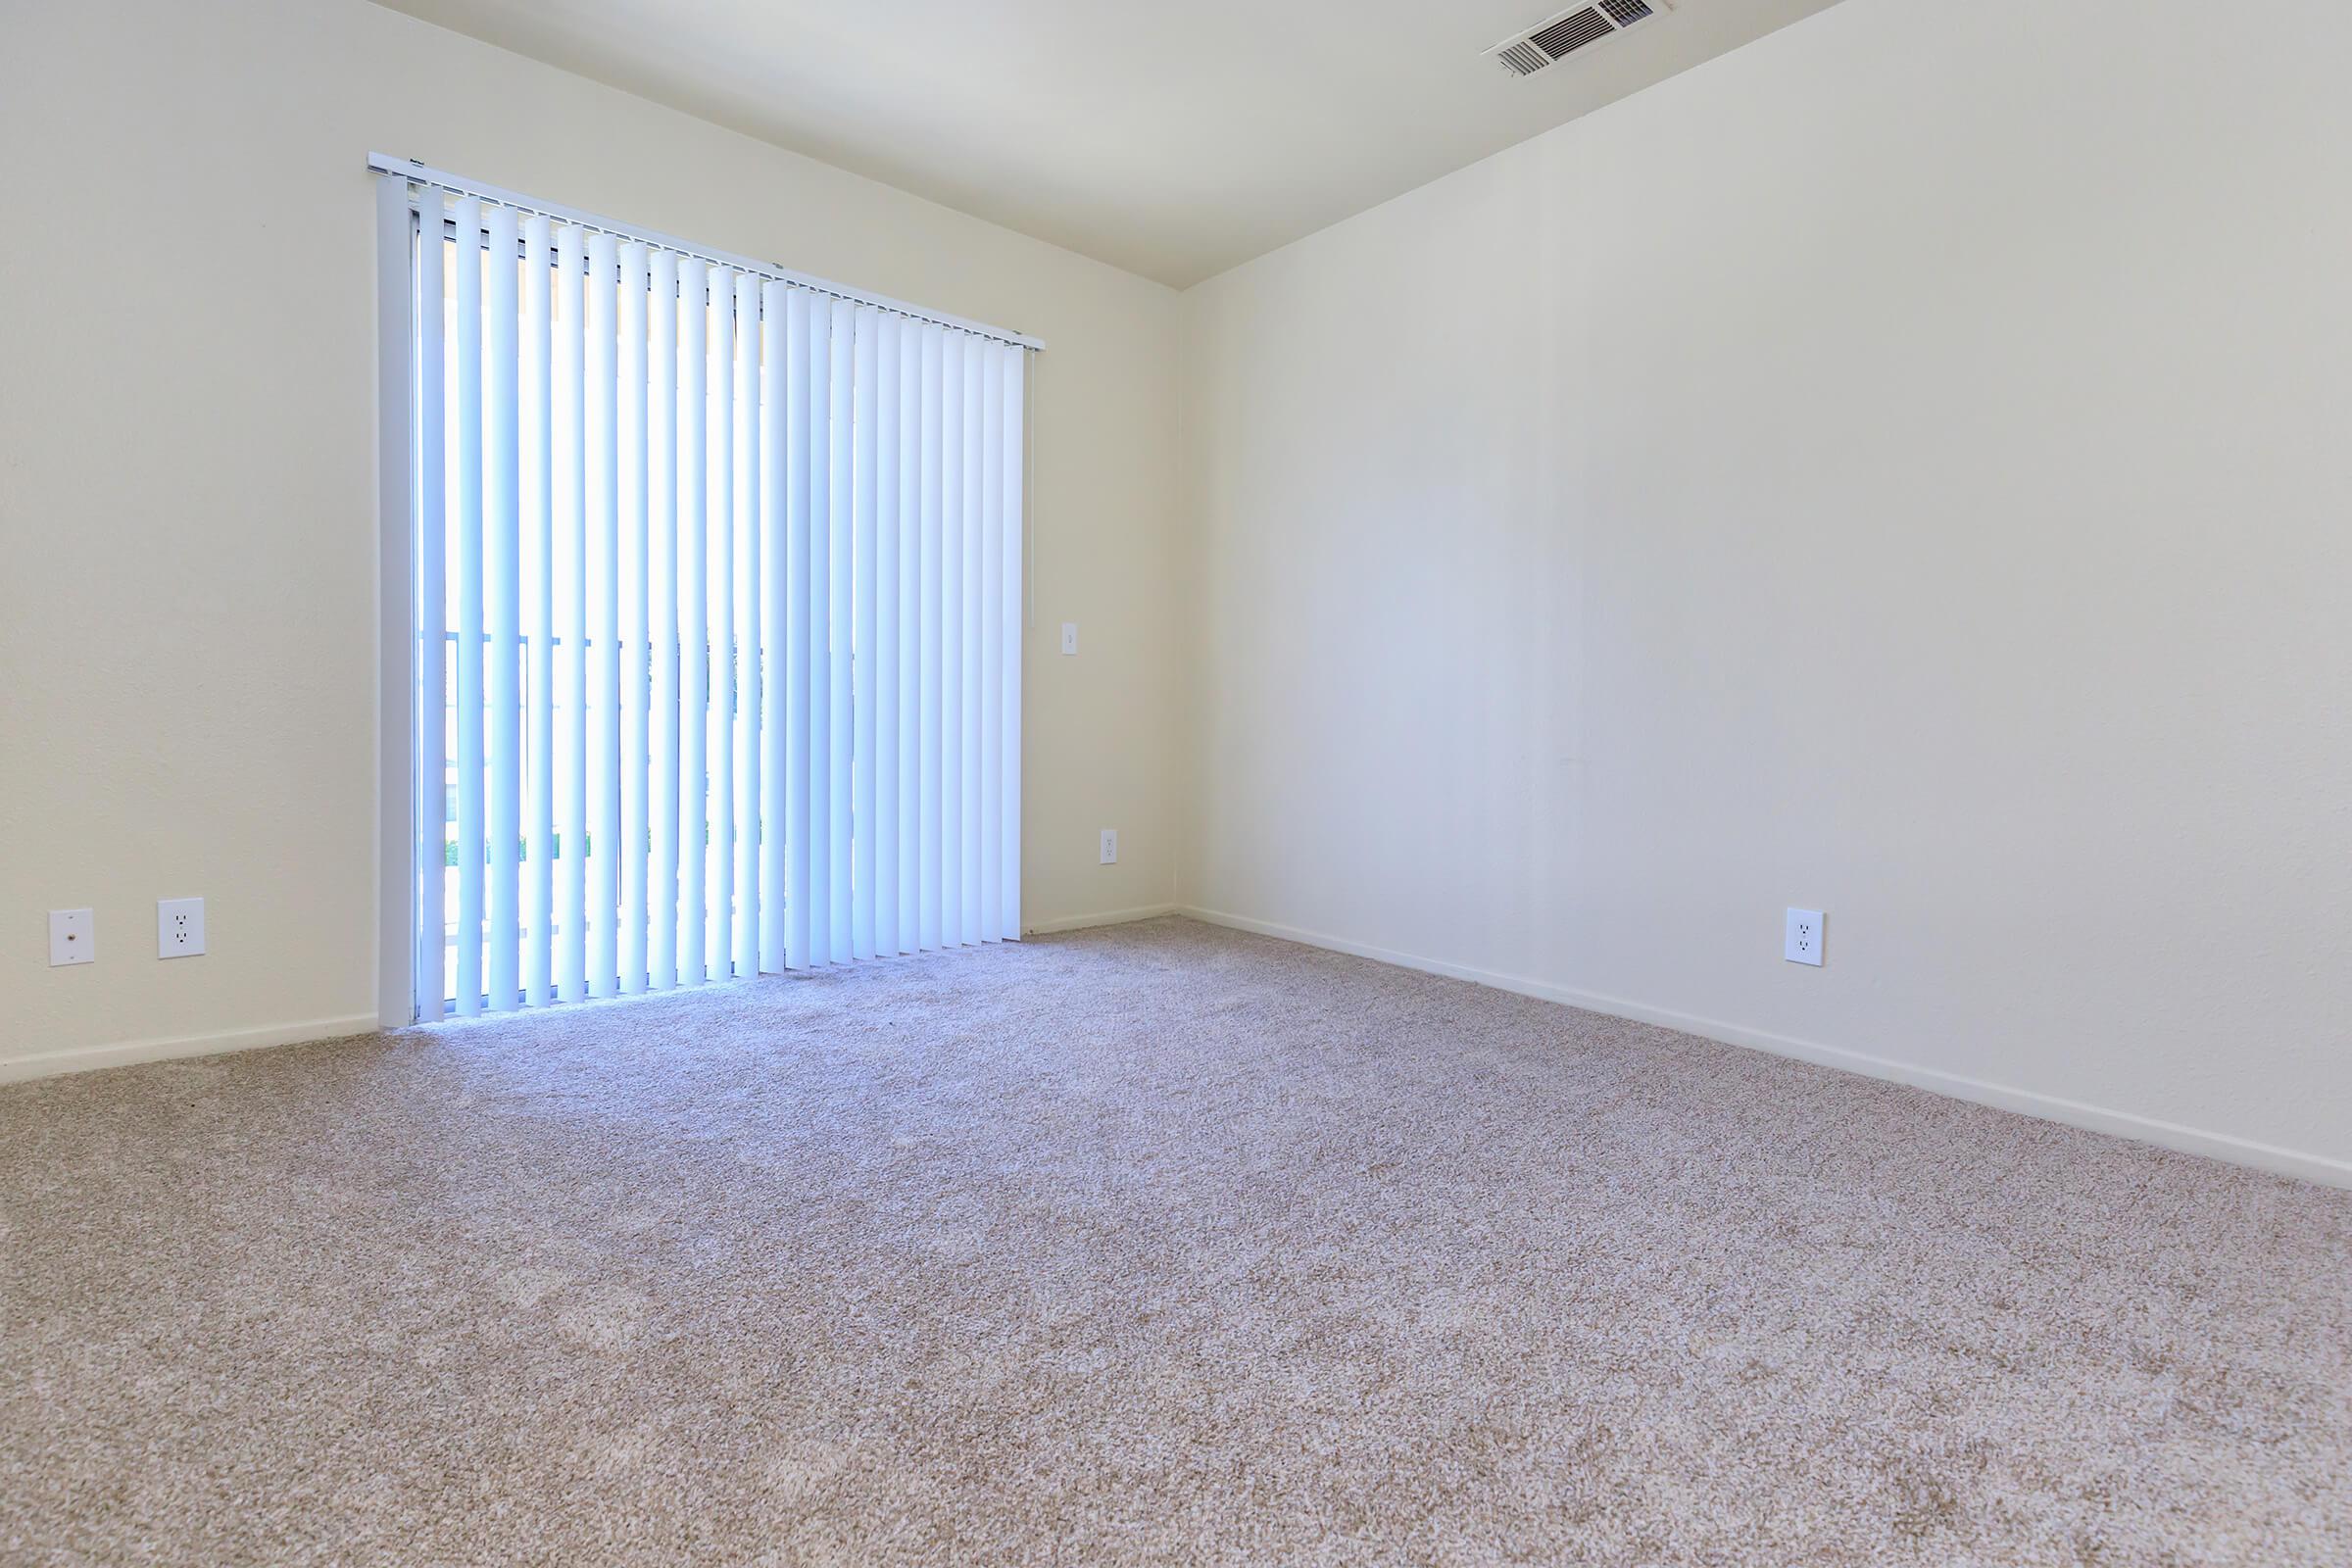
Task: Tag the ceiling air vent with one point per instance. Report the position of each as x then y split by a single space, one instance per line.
1557 37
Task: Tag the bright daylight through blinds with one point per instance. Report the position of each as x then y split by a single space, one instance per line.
717 589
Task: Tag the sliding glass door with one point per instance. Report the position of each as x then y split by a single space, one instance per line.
714 615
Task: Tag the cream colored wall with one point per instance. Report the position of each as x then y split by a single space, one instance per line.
1900 469
187 498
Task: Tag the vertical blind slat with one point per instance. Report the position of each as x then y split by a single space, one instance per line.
600 838
720 552
1014 367
818 625
432 978
694 630
569 759
839 629
502 546
863 598
882 821
535 407
990 703
967 706
955 605
719 608
774 586
746 588
798 803
910 624
927 721
472 848
661 608
630 652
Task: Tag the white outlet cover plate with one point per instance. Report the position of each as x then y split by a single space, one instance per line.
178 928
1806 932
1110 846
72 936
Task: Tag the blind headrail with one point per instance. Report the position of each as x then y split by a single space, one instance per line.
417 174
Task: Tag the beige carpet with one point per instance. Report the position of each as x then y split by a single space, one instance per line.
1158 1245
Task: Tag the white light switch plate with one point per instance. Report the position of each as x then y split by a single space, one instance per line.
72 936
1069 637
178 928
1803 939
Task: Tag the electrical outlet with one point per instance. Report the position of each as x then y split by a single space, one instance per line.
1802 941
1069 637
72 936
1110 846
178 928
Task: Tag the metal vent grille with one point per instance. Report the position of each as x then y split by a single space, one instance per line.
1572 32
1523 58
1580 28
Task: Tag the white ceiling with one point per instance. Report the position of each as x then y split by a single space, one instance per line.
1174 139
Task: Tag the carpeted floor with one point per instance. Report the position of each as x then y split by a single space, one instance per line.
1154 1245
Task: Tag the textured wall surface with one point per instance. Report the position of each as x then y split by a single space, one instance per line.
1896 469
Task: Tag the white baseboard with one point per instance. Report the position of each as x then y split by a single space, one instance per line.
1079 922
124 1054
2050 1107
89 1058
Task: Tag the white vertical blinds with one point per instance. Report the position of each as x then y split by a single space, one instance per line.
717 602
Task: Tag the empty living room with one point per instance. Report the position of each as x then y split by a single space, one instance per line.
1421 782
